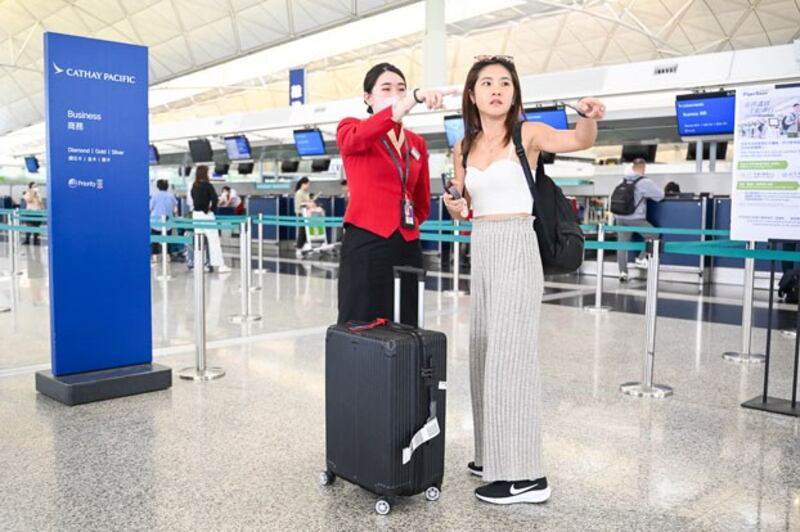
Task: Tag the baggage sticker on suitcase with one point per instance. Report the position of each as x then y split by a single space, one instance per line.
385 405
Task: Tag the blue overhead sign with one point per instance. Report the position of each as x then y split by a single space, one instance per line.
706 113
297 86
98 216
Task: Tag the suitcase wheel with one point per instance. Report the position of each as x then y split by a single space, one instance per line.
432 493
326 478
382 507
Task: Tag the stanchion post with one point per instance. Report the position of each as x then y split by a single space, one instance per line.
261 243
244 274
456 259
10 274
7 274
164 268
13 242
646 388
249 227
598 293
745 356
200 372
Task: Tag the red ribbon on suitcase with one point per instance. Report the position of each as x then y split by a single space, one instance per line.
379 322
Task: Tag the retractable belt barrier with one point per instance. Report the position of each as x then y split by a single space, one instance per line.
453 232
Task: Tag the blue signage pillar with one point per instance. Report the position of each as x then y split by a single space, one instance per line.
98 221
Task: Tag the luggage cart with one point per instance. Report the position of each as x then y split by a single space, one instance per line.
317 245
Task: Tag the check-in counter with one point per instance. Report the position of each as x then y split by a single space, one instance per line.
682 213
283 205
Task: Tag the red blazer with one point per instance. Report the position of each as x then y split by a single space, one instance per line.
375 189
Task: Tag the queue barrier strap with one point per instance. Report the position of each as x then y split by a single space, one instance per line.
667 230
714 251
433 237
24 229
170 239
611 245
270 219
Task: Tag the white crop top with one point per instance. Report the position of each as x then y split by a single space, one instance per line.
499 189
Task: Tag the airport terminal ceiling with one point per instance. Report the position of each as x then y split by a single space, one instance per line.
188 40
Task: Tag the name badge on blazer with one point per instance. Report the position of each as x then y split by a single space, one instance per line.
415 154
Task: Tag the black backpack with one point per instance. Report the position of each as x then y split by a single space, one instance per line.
623 199
558 230
789 286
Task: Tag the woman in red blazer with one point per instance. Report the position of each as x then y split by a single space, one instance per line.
389 181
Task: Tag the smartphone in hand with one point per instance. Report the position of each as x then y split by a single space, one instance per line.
449 188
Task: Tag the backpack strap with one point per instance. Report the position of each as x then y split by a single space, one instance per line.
523 160
526 169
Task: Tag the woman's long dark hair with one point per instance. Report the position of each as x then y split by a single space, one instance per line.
300 182
201 175
472 117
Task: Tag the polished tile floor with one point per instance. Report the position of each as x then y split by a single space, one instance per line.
244 452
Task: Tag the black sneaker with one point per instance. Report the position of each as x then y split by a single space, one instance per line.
522 491
474 469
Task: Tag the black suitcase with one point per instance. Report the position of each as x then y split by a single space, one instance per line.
385 387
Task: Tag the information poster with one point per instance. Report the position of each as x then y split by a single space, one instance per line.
98 211
766 174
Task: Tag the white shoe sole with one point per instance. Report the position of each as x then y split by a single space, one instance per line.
529 497
475 473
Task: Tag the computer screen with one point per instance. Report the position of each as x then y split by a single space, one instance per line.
639 151
221 169
722 151
238 148
309 143
200 150
154 156
245 168
32 164
290 166
320 165
454 129
705 114
554 116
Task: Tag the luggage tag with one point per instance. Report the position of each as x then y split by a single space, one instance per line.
407 214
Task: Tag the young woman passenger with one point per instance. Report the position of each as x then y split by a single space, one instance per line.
389 184
507 277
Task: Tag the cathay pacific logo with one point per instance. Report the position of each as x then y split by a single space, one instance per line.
96 75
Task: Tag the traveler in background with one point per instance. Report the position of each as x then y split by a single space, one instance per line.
339 231
345 192
389 181
672 189
507 276
229 198
204 199
644 190
33 202
163 204
302 200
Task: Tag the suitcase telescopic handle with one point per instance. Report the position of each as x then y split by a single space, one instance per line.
420 274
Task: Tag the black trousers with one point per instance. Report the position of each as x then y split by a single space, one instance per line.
366 278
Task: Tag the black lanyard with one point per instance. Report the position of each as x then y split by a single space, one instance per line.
403 174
